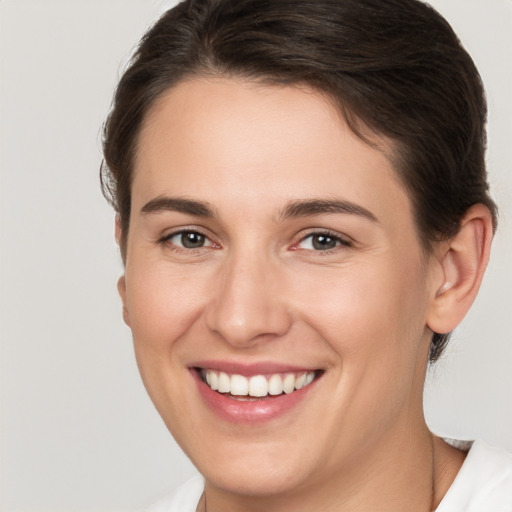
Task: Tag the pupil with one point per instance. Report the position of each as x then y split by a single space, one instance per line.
192 240
324 242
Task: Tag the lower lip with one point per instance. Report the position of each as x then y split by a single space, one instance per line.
245 411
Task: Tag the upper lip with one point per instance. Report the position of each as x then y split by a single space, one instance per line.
248 369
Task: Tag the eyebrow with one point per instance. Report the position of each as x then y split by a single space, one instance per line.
300 208
308 207
178 204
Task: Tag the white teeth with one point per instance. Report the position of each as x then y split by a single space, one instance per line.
275 385
224 385
213 380
289 383
258 385
299 381
239 385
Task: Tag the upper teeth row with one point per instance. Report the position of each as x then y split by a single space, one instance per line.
257 385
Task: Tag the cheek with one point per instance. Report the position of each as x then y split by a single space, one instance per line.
374 323
372 315
162 305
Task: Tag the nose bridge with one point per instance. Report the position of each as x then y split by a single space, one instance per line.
249 303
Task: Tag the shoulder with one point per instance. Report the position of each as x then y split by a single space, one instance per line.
184 499
483 484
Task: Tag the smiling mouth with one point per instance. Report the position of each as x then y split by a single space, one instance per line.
256 387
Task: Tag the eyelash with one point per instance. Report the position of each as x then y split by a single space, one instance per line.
165 240
340 242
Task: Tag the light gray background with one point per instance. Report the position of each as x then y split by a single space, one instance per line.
78 432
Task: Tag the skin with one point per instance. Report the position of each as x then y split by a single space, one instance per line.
258 290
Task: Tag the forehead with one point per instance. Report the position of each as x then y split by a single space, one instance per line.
253 140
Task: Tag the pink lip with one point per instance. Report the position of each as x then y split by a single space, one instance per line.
249 369
249 412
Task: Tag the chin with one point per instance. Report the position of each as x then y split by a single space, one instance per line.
259 479
258 468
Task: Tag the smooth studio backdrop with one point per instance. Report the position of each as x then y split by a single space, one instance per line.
77 431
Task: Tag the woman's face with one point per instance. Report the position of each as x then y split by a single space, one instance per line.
268 246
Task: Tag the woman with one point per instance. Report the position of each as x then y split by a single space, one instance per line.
304 217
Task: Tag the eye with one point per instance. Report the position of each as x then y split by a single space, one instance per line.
321 242
188 240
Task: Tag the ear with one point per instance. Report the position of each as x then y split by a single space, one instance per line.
119 239
121 283
118 230
121 288
462 262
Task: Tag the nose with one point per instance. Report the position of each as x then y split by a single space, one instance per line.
249 305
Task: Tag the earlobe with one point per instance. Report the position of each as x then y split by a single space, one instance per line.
121 288
463 260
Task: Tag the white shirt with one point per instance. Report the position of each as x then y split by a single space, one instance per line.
483 484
